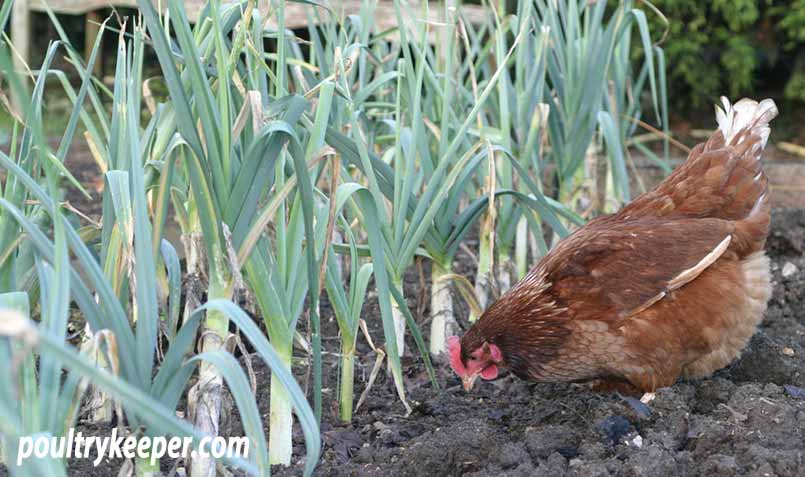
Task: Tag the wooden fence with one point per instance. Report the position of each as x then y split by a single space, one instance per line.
295 14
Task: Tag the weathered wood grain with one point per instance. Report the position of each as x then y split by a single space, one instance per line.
295 14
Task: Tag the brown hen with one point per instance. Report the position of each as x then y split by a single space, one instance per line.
672 285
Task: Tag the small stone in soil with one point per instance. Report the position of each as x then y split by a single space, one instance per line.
431 407
497 415
795 391
789 269
614 428
365 455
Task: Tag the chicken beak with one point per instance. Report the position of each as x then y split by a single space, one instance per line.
468 381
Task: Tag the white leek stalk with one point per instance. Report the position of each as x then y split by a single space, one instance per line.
504 270
521 248
399 319
280 442
443 321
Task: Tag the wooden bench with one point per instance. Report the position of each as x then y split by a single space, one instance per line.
295 15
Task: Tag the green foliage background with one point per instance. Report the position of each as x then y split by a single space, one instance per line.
732 46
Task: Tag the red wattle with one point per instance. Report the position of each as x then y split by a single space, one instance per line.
490 372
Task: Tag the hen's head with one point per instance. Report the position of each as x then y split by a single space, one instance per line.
482 361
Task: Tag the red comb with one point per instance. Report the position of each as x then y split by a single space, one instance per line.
454 350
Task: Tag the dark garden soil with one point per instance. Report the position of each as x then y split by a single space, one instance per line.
749 419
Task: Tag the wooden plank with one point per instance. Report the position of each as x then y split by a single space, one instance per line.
786 178
295 16
787 182
385 17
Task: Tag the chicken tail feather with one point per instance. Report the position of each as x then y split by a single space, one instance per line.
745 128
722 178
745 115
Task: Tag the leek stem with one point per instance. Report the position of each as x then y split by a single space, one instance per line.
503 270
210 382
399 318
347 379
521 248
280 430
484 273
99 402
443 322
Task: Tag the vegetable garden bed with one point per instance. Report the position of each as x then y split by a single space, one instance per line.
272 236
749 419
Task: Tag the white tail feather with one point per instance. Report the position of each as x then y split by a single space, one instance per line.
743 114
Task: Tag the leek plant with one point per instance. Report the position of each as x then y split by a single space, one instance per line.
127 308
347 305
275 272
583 80
246 118
570 81
361 127
253 162
352 203
419 173
398 180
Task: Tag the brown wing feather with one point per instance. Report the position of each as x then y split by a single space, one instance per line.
626 272
623 266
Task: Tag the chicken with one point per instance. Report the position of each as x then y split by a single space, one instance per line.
673 285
